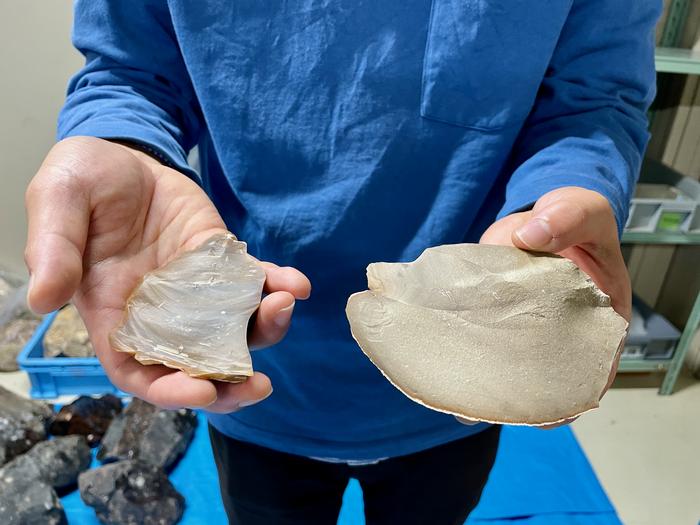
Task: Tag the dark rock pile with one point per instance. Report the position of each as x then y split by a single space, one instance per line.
87 416
146 432
23 423
139 445
131 492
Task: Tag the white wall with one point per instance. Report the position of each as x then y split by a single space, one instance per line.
36 61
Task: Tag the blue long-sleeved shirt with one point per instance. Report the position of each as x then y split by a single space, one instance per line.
337 133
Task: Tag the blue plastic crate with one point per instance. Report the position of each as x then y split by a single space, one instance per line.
57 376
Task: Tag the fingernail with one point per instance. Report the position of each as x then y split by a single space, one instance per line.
535 234
251 402
283 316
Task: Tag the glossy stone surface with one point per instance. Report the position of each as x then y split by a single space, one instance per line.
67 335
131 493
489 333
146 432
23 423
192 314
86 416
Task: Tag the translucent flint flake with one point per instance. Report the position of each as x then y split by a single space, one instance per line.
192 314
489 333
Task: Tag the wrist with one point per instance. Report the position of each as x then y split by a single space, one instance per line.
143 152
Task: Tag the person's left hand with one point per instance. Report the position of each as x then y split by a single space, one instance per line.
578 224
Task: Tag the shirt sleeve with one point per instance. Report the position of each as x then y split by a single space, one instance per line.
134 86
588 127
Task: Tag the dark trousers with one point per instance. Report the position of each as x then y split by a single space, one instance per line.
439 486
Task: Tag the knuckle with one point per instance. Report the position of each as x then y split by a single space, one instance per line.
28 254
59 181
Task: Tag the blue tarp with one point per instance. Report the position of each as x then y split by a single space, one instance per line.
540 478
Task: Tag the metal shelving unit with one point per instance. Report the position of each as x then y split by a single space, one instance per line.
676 60
661 238
671 366
670 59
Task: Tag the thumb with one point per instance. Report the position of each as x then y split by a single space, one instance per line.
58 216
566 222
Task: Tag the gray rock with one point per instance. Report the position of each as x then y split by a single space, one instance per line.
34 504
13 336
131 493
23 423
68 336
144 431
56 463
87 416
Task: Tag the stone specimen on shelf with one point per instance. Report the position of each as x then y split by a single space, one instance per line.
34 504
14 335
151 434
57 463
67 335
86 416
131 492
23 423
489 333
192 314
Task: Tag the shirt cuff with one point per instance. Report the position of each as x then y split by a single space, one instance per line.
523 195
163 148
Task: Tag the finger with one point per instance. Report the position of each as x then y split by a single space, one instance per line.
272 320
586 217
58 216
607 269
176 389
162 386
501 231
286 278
234 396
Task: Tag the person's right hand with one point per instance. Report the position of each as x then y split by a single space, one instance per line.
100 216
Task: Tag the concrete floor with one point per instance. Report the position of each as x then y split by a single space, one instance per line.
645 449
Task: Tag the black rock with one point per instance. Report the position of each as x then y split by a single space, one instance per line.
131 492
56 463
146 432
86 416
23 423
33 504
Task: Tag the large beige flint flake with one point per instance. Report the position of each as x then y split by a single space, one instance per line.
489 333
192 314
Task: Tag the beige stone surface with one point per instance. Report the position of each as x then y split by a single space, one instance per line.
489 333
68 335
192 314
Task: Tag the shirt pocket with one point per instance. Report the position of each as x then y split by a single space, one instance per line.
485 59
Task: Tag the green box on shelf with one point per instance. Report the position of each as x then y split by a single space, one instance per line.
665 201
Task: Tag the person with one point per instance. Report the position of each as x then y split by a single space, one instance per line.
332 134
